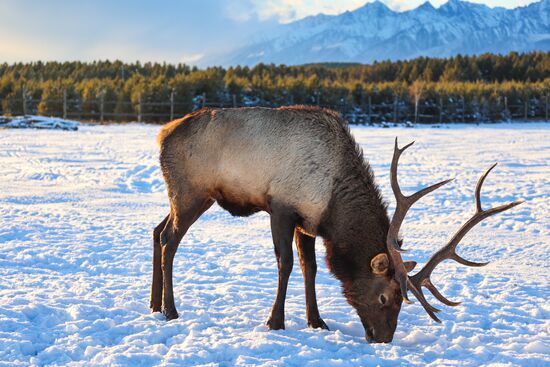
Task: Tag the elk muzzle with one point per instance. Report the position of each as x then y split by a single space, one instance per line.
378 331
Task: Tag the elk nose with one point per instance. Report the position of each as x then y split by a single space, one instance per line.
383 338
372 337
386 339
369 335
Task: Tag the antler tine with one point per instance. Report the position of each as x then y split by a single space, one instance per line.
477 194
403 203
431 310
422 278
425 191
408 200
393 170
429 285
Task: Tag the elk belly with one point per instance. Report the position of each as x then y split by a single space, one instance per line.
237 205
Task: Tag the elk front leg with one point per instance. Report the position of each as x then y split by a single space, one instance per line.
282 228
306 252
156 285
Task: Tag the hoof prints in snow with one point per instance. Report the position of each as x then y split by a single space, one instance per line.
77 212
140 179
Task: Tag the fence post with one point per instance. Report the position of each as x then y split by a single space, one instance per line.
416 102
370 109
24 100
395 109
546 108
64 103
440 110
139 108
101 106
234 97
172 104
463 109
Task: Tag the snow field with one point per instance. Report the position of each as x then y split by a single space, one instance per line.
77 210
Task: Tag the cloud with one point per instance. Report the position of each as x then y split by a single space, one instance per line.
163 30
191 59
289 10
241 11
129 30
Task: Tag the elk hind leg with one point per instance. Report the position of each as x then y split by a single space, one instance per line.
181 218
156 285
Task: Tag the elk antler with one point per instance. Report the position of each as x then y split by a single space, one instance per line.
422 278
403 205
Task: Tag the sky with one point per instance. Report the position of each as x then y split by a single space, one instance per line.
162 30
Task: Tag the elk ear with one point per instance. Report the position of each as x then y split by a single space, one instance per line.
379 264
409 265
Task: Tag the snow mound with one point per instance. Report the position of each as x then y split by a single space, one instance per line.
38 122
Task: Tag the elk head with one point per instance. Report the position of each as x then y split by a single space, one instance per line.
379 306
377 299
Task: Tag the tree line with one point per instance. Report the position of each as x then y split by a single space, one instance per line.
484 83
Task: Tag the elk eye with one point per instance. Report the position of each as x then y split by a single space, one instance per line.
383 299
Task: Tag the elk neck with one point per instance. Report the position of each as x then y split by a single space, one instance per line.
355 224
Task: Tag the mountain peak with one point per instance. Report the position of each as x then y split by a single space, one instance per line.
375 6
426 6
374 32
457 5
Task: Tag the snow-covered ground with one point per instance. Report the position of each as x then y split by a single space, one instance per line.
77 210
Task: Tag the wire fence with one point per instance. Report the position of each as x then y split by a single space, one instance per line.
434 110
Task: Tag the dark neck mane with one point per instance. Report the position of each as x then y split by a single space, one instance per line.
356 222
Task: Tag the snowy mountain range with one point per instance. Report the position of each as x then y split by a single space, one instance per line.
375 32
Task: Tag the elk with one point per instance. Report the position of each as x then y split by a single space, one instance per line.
302 166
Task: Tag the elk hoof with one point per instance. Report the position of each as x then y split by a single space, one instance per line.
317 324
170 314
275 324
155 306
